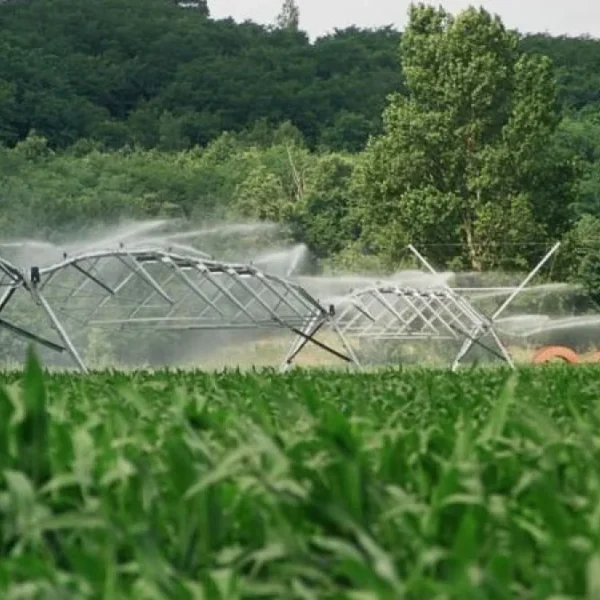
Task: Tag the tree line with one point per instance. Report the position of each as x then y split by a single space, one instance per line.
152 74
456 134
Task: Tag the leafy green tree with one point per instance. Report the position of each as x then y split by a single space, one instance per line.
9 112
34 147
261 196
579 256
170 131
348 132
322 217
275 187
575 62
464 154
580 138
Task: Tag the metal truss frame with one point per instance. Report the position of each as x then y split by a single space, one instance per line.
11 280
389 312
182 290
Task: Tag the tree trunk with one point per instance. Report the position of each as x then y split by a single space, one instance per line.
474 258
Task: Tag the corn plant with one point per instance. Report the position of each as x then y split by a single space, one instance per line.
391 485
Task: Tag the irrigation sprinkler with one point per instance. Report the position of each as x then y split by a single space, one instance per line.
154 289
390 312
157 290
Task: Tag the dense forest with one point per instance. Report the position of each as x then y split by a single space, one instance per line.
359 141
152 74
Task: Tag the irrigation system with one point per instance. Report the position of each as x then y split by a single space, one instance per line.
389 312
178 288
159 290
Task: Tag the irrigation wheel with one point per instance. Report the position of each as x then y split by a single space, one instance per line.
555 353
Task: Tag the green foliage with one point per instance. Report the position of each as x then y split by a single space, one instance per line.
324 219
580 256
464 156
576 61
44 193
579 140
190 485
266 173
149 72
141 108
152 73
289 17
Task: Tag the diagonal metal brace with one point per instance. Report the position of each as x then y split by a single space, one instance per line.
139 270
476 341
93 278
31 336
299 344
6 297
308 337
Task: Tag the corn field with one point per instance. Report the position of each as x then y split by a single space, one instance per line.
390 485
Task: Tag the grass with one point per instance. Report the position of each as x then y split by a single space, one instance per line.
315 484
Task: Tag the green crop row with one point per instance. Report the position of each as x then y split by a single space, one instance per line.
314 484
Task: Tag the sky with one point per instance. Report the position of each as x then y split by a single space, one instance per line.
319 17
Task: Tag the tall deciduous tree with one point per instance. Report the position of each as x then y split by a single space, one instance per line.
289 17
463 158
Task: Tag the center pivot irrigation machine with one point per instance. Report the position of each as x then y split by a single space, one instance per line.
153 289
178 288
389 312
